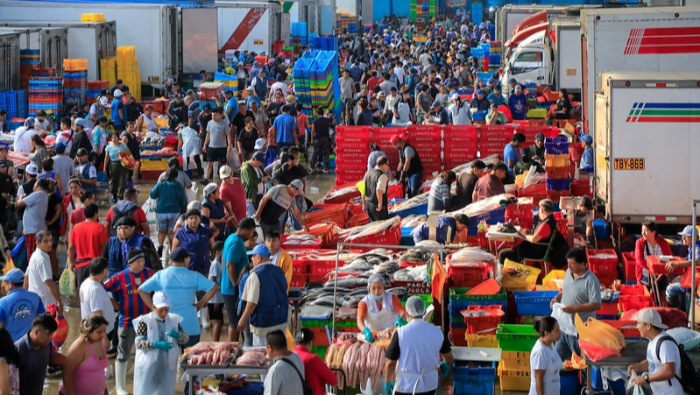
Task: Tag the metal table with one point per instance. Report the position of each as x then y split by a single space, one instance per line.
634 352
192 371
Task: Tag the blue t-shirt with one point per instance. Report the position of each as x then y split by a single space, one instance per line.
518 106
180 284
17 311
587 159
197 244
232 104
234 251
285 125
253 98
113 151
510 153
422 232
498 99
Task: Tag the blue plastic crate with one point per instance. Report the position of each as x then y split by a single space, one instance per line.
558 184
407 236
491 218
534 302
473 381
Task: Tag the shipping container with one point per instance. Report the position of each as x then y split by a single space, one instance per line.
509 16
9 60
151 28
659 39
51 41
646 147
251 26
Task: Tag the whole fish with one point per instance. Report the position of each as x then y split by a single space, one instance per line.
401 292
327 300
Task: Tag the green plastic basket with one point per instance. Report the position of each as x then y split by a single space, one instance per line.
519 338
320 351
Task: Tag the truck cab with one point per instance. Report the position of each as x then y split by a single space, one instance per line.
531 60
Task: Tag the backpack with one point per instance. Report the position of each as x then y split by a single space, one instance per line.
306 388
119 215
690 380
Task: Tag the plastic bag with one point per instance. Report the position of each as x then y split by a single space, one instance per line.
599 334
686 337
66 284
596 353
191 193
149 208
517 277
631 388
232 159
9 265
566 322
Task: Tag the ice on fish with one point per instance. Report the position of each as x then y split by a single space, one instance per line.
485 206
471 255
372 228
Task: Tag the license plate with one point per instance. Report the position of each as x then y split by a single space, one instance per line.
629 164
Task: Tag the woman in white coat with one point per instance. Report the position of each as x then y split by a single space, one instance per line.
191 144
155 368
378 310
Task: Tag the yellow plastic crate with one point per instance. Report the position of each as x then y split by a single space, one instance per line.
513 360
126 51
514 380
483 341
548 280
148 164
524 280
554 160
537 113
92 18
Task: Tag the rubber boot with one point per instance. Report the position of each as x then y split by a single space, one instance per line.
203 318
120 379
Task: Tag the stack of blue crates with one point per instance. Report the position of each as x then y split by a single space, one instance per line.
46 94
325 43
75 85
299 33
14 103
316 82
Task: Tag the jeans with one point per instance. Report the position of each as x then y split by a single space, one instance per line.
322 148
414 183
566 345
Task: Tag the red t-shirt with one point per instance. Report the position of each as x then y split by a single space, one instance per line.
317 373
77 216
87 237
138 215
543 230
234 194
302 124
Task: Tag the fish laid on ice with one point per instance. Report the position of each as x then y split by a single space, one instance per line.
316 311
373 228
347 282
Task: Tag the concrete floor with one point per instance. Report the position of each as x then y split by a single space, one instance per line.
317 186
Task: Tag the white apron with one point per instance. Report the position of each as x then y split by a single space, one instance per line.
420 344
191 145
155 371
379 320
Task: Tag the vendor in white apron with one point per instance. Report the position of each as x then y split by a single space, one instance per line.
442 229
422 353
158 335
378 310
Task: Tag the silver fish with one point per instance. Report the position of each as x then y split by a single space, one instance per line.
347 282
401 292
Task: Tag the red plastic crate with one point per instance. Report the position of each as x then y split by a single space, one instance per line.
300 266
657 267
321 267
299 247
608 309
424 130
581 188
391 236
520 214
458 336
298 281
537 190
394 191
469 276
496 131
628 328
337 213
320 336
460 132
603 265
635 302
629 263
358 219
484 324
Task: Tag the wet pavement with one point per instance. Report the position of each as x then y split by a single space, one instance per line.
317 186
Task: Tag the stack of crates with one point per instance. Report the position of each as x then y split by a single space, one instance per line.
29 60
94 90
603 263
425 139
230 82
108 70
460 301
515 342
471 381
321 342
75 80
299 33
346 21
352 150
316 82
46 94
325 43
558 178
496 48
14 103
128 70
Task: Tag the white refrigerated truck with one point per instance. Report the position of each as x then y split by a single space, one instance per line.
659 39
647 145
251 25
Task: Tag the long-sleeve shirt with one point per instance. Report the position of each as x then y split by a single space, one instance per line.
251 182
142 342
318 374
440 198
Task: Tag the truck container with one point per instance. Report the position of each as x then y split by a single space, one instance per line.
151 28
9 60
509 16
658 39
92 41
252 26
51 41
646 146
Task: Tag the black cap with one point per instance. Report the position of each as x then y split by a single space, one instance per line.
179 254
81 152
102 118
134 255
126 221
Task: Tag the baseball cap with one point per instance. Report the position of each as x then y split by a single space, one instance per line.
118 93
13 276
32 169
587 139
260 249
179 254
104 100
81 152
102 118
481 92
81 122
225 172
454 97
297 184
160 300
436 103
539 137
259 143
250 88
512 81
651 317
126 221
687 231
259 156
395 139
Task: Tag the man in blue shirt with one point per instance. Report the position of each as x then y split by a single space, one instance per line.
518 104
496 96
445 232
19 307
587 157
285 127
181 285
510 152
235 260
231 106
675 294
197 240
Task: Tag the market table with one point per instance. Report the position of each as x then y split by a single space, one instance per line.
634 352
192 371
495 237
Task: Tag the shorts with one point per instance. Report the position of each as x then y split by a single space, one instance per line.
166 222
54 238
216 311
216 154
81 274
231 302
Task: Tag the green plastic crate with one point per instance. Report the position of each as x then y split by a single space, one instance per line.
320 351
323 323
520 338
459 294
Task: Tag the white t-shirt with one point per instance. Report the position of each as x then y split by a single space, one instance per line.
547 359
668 353
66 137
39 270
23 139
93 297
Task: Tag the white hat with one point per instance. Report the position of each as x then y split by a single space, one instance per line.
259 144
454 97
104 100
298 185
225 172
651 317
32 169
118 93
415 306
209 189
160 300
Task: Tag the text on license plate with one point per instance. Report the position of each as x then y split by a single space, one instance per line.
629 164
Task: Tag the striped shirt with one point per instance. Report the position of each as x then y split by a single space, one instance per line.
126 283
